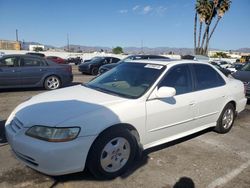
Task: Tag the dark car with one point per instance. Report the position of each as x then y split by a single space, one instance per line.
75 60
33 71
36 54
56 59
244 75
225 71
92 66
105 68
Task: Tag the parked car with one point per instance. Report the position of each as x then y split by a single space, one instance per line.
56 59
33 71
103 124
92 66
75 60
2 54
244 75
36 54
235 67
223 64
225 71
105 68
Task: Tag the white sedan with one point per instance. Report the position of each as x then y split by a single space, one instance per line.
103 124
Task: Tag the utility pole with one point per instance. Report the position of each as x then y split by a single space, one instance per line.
142 46
68 41
16 35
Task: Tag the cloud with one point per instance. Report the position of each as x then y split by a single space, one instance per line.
147 9
136 7
124 11
160 10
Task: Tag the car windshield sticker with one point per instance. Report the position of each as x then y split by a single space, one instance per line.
153 66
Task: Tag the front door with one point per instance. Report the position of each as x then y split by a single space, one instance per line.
169 117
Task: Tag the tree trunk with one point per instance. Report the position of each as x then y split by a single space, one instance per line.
199 37
195 28
217 21
207 42
203 39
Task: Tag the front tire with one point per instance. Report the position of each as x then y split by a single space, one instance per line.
52 82
226 119
112 153
94 71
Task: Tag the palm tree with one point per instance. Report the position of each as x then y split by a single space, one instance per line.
207 10
222 9
203 8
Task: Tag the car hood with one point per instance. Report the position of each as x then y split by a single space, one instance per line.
54 107
244 76
110 66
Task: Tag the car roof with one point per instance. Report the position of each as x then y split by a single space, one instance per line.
166 62
22 55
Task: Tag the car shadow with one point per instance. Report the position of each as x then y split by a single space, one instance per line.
3 140
139 162
34 88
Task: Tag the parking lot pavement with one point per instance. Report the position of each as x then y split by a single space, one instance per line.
206 159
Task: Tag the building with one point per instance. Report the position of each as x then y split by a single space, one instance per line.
10 45
32 47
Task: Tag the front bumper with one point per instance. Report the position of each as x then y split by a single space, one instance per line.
47 157
84 69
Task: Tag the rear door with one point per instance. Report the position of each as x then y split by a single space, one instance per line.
33 70
209 93
10 71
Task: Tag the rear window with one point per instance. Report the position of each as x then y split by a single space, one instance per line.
207 77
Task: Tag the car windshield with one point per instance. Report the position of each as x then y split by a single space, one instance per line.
96 59
246 67
129 80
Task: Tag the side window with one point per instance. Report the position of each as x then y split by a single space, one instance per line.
32 62
207 77
179 77
9 62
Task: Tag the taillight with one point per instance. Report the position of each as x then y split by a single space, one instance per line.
69 69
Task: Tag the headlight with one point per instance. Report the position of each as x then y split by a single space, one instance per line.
53 134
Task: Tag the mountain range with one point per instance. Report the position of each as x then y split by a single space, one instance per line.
128 50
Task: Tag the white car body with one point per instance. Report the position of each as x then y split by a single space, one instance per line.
95 111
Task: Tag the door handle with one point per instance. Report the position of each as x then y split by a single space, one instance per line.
42 70
16 71
192 103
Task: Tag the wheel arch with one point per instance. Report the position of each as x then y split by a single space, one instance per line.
48 75
127 126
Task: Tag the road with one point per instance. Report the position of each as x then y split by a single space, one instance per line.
206 159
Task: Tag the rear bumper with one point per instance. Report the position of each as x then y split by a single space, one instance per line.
67 79
241 105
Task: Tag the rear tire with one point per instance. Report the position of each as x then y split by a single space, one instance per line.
112 153
226 119
52 82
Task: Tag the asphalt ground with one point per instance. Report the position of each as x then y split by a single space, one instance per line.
205 159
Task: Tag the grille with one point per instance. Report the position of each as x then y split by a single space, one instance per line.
16 125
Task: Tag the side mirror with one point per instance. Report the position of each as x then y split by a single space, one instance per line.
165 92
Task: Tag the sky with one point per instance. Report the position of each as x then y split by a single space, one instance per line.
126 23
